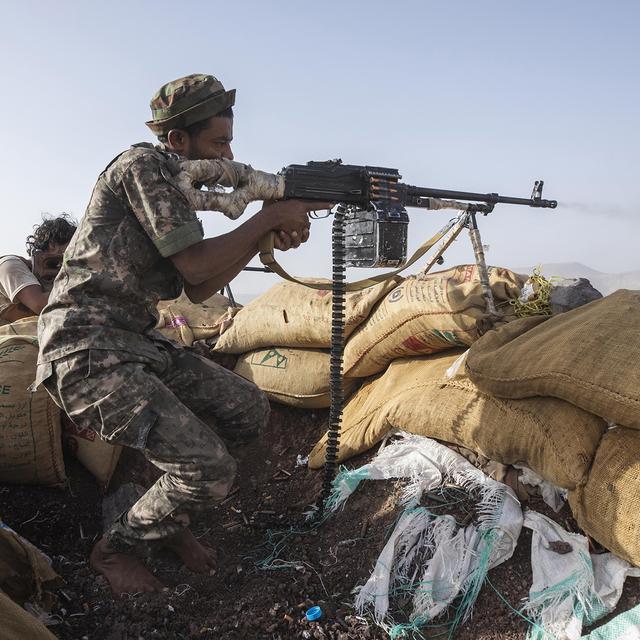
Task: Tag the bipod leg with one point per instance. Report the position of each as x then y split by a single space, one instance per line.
476 242
232 301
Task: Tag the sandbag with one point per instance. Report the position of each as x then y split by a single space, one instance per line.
552 437
30 442
364 424
23 327
185 321
17 624
32 427
607 506
25 576
292 315
295 377
427 314
25 572
96 455
588 356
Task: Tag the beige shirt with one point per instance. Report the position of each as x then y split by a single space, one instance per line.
15 275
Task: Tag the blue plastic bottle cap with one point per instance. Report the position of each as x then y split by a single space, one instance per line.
315 613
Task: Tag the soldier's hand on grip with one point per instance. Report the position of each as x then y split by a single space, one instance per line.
292 217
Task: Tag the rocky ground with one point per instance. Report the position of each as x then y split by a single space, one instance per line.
249 597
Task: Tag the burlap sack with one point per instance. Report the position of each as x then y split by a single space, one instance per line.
364 424
607 506
24 327
588 356
184 321
293 315
25 576
30 444
552 437
17 624
25 573
97 456
296 377
427 314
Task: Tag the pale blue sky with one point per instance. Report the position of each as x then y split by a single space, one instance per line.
483 96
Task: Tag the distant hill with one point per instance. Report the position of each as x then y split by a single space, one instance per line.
606 283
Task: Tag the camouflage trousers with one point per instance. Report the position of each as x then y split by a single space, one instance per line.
159 406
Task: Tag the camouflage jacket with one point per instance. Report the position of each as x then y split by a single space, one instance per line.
116 267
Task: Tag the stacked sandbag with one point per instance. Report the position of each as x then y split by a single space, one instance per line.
30 442
429 313
588 356
96 455
17 624
292 315
23 327
606 507
364 424
26 576
35 445
25 572
284 336
295 377
554 438
185 321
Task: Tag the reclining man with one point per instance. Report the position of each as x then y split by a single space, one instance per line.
139 242
25 284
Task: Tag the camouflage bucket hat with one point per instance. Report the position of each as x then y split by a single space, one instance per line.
188 100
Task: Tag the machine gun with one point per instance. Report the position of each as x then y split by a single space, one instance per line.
372 200
374 203
370 229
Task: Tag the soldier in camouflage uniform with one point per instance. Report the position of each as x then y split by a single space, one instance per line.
100 359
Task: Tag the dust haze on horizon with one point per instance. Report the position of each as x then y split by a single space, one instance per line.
473 96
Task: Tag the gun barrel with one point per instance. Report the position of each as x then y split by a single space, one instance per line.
414 194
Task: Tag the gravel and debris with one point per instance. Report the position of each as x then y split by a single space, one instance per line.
271 565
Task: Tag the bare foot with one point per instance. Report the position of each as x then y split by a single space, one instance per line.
125 573
194 555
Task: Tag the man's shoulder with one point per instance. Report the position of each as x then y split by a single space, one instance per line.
145 150
142 151
13 259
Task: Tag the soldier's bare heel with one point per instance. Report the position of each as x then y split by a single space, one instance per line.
194 555
125 573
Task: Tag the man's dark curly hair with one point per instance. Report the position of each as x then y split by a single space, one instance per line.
58 230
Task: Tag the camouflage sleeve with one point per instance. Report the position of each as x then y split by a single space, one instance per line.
164 213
